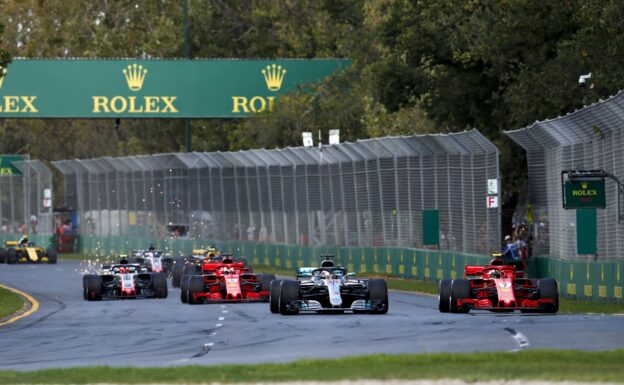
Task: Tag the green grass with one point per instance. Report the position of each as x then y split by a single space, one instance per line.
526 365
427 287
9 302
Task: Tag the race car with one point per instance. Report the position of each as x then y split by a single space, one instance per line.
153 260
497 288
225 280
26 252
328 288
124 280
190 265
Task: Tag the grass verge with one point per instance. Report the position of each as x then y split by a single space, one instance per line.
9 302
548 365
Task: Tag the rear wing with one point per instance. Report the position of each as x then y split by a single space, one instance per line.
473 271
11 243
304 272
199 252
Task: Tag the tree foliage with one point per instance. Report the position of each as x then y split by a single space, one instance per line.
418 66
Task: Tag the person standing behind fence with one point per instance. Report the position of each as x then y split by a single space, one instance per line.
510 251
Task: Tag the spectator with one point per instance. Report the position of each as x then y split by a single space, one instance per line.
33 224
510 252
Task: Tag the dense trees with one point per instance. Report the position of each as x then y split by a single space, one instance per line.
418 66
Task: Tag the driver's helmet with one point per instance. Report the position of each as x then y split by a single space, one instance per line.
23 240
325 274
151 248
494 273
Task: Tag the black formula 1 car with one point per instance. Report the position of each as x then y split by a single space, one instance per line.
124 280
328 288
26 253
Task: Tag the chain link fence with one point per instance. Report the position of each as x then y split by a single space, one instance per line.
26 199
367 193
587 139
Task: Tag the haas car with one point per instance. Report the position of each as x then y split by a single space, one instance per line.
328 288
153 260
497 288
124 280
26 252
223 279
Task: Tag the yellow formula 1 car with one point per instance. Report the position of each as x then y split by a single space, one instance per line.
26 252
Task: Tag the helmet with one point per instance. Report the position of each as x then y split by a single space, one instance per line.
325 274
494 273
23 239
151 248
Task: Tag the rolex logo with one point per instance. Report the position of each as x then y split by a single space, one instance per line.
273 76
135 75
584 185
3 72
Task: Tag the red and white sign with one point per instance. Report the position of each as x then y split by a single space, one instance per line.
492 201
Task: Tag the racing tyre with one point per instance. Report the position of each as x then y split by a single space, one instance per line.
51 254
159 285
547 289
85 291
378 290
176 274
274 296
444 295
195 286
265 280
460 289
11 256
94 287
289 295
3 254
184 284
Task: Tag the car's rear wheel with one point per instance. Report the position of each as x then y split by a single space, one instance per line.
547 289
184 284
85 291
289 295
11 257
3 254
94 287
176 274
51 254
159 285
378 292
444 295
265 281
195 286
460 289
274 296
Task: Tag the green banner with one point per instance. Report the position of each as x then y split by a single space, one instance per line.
6 164
84 88
431 227
584 194
586 231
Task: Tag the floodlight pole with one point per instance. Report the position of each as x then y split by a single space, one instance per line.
187 48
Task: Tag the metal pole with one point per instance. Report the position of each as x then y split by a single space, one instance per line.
187 48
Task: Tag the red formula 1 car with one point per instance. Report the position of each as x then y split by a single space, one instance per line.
225 281
497 288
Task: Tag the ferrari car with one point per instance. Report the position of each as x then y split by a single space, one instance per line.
225 280
191 265
26 252
124 280
497 288
328 288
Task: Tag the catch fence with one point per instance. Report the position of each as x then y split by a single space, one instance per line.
588 139
367 193
26 198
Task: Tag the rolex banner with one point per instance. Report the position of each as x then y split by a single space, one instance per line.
84 88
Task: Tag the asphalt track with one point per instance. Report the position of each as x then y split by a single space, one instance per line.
69 331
